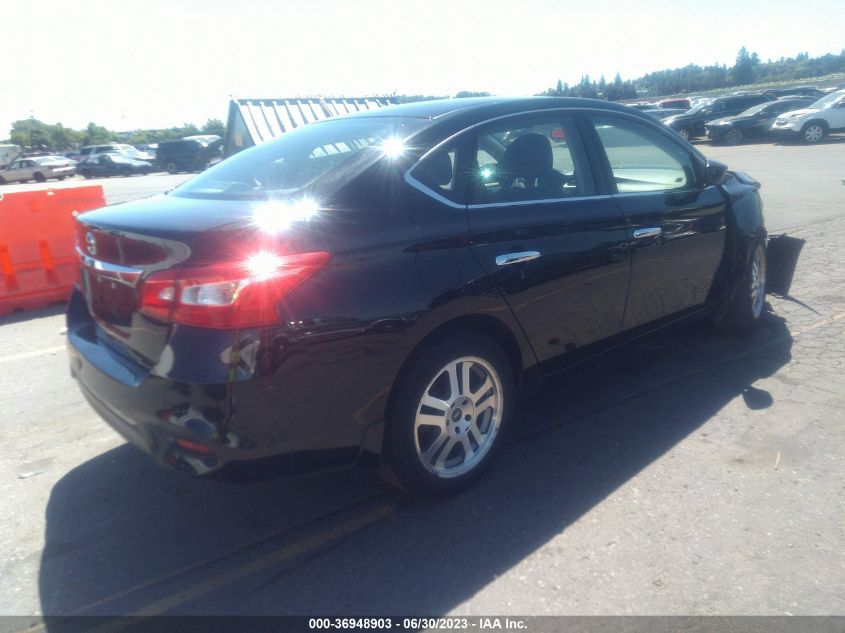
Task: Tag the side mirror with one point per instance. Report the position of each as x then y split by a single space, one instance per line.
715 172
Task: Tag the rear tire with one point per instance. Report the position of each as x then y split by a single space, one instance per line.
743 311
60 177
449 415
39 177
684 133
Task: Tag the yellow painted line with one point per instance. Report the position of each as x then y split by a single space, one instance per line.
281 555
33 354
835 317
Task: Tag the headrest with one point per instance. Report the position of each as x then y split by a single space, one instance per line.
528 156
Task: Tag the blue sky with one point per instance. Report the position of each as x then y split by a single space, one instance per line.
155 63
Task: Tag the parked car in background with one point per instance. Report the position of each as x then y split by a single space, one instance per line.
39 169
115 164
188 154
376 286
691 123
754 122
663 113
797 91
92 151
677 103
814 122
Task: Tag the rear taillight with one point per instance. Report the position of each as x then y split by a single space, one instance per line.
227 296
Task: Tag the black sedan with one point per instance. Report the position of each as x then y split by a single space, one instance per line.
754 122
114 165
379 287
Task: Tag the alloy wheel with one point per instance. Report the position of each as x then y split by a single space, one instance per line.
734 137
813 133
458 417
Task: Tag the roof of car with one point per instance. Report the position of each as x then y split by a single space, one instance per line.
442 107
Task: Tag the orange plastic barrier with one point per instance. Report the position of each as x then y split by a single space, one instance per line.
37 258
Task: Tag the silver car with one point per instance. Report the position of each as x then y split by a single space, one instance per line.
39 168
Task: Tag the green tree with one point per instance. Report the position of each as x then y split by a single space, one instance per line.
743 70
96 134
214 126
63 138
31 133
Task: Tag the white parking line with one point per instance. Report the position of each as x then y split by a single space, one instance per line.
33 354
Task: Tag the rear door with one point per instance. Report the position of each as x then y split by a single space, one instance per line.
557 251
675 223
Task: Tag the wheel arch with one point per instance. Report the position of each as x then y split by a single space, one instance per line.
824 124
745 226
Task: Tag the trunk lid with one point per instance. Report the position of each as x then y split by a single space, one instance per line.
120 246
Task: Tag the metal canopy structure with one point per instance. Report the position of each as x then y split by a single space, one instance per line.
255 121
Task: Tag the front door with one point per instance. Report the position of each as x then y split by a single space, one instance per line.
557 251
676 224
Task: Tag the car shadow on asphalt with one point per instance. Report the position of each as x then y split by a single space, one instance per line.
19 316
121 532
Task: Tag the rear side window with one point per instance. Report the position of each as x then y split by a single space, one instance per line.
642 159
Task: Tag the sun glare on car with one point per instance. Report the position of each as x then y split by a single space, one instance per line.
263 265
274 216
393 147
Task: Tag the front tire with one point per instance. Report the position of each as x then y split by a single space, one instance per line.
450 412
39 177
171 167
685 133
734 137
813 132
743 311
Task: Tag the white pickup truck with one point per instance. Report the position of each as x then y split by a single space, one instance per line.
815 122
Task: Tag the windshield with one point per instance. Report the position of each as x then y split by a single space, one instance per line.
758 108
829 100
46 160
698 108
128 150
333 151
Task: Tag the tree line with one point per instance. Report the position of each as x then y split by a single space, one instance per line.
747 69
35 135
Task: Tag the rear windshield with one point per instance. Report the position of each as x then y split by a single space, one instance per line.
332 151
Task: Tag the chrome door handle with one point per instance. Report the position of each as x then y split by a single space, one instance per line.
652 231
515 258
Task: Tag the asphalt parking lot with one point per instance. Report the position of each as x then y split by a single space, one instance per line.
692 473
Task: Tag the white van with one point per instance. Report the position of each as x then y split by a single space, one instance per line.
8 153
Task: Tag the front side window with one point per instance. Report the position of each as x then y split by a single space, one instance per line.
526 159
642 159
